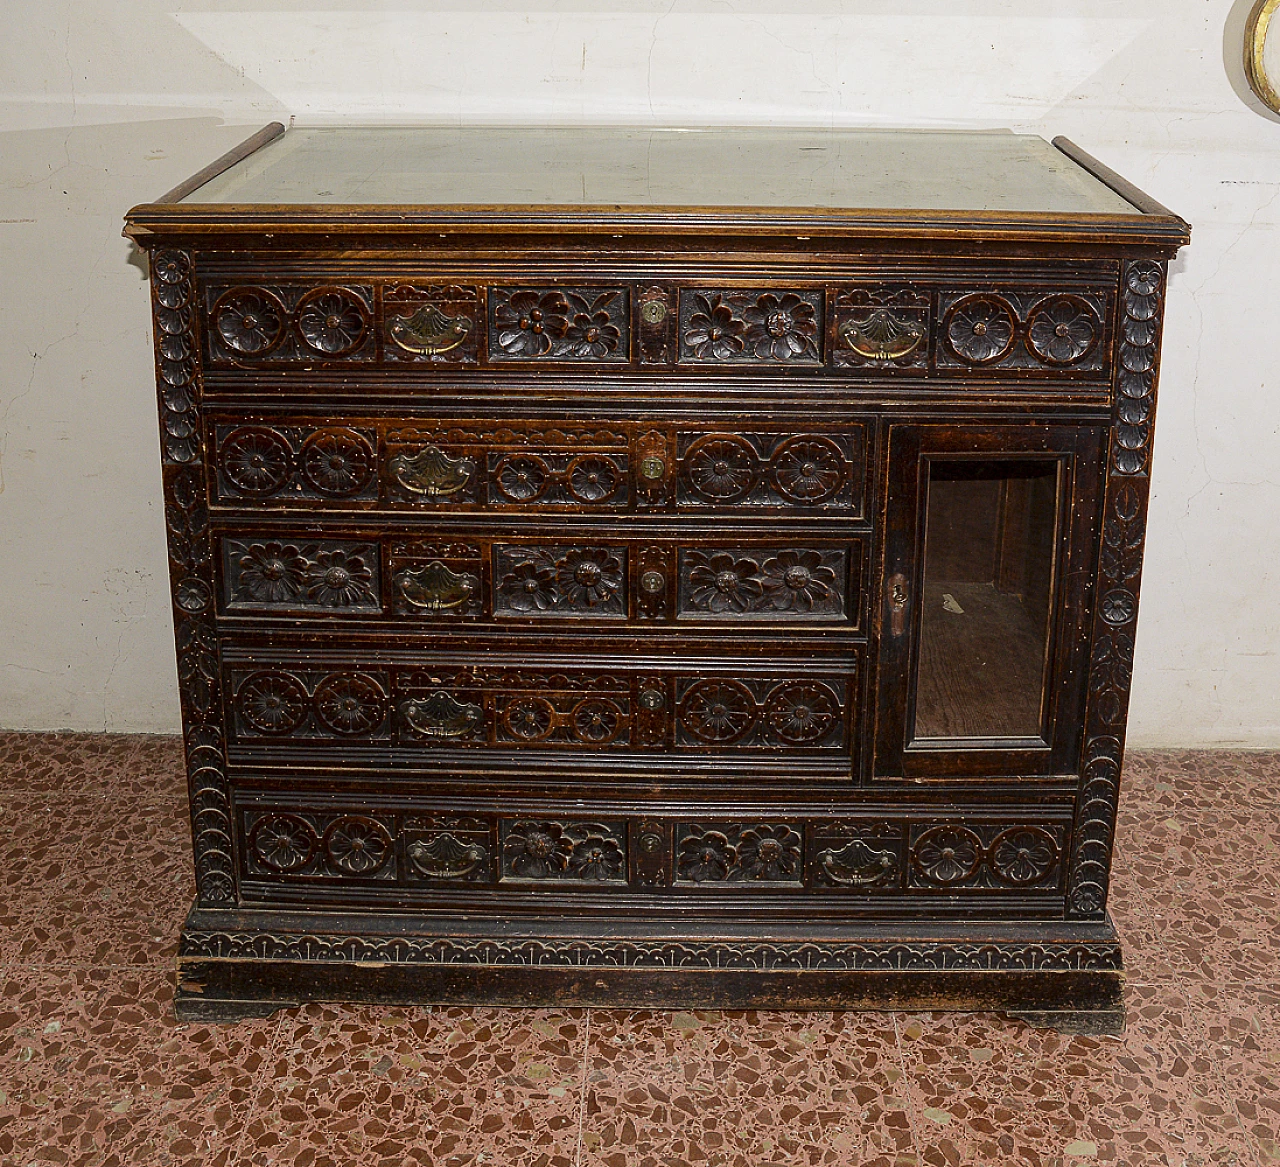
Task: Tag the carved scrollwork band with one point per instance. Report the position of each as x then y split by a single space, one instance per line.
837 328
285 844
1119 576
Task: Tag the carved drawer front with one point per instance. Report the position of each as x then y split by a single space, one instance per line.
411 851
724 582
525 467
1050 323
694 709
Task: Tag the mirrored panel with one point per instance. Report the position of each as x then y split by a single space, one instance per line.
991 539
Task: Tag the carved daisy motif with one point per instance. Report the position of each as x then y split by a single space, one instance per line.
337 462
1063 330
980 329
947 855
250 321
721 469
271 573
357 846
338 579
808 470
797 581
781 328
718 711
593 479
523 477
272 703
529 323
350 704
1023 855
529 718
597 857
723 583
596 721
332 322
589 577
590 334
537 850
802 712
704 856
529 587
767 853
256 461
713 332
282 842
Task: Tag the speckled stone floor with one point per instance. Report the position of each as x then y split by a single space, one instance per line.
94 882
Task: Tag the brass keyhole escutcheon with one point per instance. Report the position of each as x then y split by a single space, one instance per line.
651 844
652 700
653 582
653 311
653 467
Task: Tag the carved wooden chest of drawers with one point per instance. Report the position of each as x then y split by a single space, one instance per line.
649 567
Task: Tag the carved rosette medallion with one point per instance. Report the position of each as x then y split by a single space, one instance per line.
1120 571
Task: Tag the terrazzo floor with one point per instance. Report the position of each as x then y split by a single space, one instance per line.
94 857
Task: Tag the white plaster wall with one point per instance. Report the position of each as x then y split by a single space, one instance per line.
105 103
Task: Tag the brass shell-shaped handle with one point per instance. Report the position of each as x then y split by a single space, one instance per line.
431 472
445 856
435 588
882 336
428 332
441 715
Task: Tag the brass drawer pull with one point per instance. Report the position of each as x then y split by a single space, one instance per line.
442 716
432 472
428 332
435 588
882 336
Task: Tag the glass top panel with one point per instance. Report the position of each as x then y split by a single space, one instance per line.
836 169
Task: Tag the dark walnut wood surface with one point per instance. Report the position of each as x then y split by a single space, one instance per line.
590 585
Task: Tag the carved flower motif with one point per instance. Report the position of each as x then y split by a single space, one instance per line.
980 329
796 580
357 846
593 479
271 573
537 850
171 267
529 587
1143 279
781 328
272 703
282 842
591 334
1063 330
522 478
721 468
333 323
1118 606
589 577
249 321
947 854
1023 855
769 853
596 721
718 711
704 856
802 712
808 470
256 461
530 322
596 857
339 580
713 332
721 583
337 462
350 704
529 718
